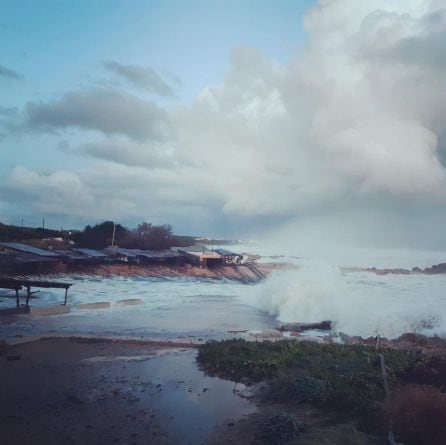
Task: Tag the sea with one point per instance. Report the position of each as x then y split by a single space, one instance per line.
317 287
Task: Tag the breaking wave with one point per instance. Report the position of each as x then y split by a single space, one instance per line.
358 303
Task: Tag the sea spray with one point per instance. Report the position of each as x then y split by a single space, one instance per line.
358 303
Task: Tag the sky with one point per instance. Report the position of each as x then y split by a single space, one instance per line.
316 121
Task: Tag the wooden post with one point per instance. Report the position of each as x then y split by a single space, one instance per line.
66 295
17 297
28 295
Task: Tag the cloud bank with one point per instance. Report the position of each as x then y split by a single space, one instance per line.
354 121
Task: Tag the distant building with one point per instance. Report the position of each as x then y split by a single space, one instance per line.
140 256
22 258
201 256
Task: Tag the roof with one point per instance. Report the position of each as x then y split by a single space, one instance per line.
30 249
225 252
206 255
193 249
132 253
129 253
91 253
72 254
158 253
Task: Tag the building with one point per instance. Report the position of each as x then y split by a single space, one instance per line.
228 256
146 257
95 256
22 258
201 256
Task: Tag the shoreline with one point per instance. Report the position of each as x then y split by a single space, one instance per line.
248 274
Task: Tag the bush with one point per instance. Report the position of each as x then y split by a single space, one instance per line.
419 415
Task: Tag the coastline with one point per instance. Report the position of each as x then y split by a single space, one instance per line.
242 273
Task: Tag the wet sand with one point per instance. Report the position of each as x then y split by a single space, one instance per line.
93 391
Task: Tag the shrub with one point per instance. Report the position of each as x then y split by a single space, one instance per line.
419 415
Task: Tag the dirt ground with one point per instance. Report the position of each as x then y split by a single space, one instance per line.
85 391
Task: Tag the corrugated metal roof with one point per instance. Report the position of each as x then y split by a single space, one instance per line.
225 252
72 254
129 253
91 253
193 249
158 254
152 254
29 249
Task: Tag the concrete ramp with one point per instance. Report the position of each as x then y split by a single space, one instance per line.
53 310
98 305
128 302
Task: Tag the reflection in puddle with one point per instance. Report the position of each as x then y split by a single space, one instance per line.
189 404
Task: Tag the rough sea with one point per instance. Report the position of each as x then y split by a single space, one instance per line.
358 303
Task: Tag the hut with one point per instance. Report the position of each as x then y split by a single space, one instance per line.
201 256
22 258
94 256
228 256
121 255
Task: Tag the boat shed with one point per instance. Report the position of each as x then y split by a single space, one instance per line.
201 256
25 248
141 257
75 258
22 258
122 255
228 256
157 257
95 256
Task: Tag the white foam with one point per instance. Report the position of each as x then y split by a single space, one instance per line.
358 303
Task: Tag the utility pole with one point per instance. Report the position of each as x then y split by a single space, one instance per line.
43 223
113 237
22 223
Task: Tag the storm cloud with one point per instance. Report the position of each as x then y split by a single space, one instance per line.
104 110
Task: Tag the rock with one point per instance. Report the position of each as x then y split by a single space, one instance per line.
301 327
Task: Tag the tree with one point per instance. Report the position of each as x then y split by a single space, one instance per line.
100 235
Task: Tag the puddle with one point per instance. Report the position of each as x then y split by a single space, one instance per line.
192 402
188 403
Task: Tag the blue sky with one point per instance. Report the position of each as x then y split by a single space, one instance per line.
58 45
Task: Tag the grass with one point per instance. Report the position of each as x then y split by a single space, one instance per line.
344 379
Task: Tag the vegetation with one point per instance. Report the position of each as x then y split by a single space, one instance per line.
419 415
144 236
346 379
99 235
14 233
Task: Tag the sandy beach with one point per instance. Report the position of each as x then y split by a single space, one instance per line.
73 390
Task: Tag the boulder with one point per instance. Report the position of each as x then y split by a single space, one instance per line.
301 327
